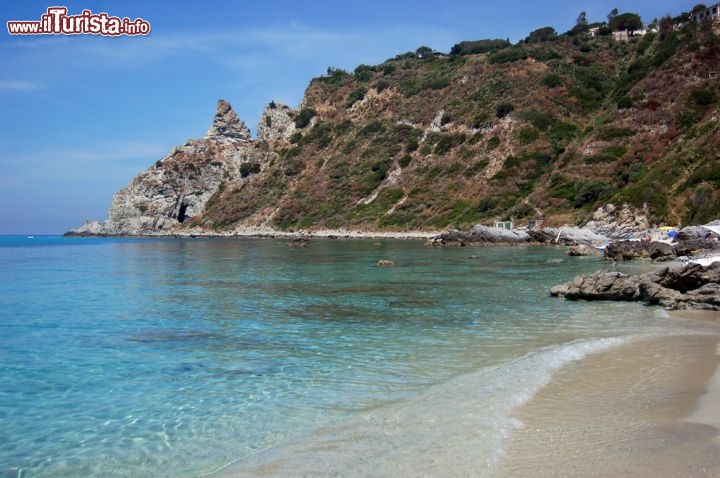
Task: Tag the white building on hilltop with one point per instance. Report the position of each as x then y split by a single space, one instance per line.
712 12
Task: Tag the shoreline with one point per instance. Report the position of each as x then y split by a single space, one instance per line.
264 232
646 407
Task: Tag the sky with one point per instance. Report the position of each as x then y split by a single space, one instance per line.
81 115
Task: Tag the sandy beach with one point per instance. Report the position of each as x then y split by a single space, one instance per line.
647 408
262 231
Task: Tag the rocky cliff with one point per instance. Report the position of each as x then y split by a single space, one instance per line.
549 128
162 199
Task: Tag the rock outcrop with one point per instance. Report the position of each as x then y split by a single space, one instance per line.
618 222
176 189
627 250
277 123
480 235
682 287
483 235
226 125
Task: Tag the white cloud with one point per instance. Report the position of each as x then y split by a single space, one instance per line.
18 86
108 161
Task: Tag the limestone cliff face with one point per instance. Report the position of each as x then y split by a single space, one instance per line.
161 199
277 123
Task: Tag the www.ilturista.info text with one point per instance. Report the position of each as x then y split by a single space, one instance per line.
57 22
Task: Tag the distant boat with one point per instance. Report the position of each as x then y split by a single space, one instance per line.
31 237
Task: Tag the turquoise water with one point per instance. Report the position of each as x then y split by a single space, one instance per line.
175 357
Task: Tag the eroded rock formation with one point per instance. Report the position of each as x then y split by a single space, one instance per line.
682 287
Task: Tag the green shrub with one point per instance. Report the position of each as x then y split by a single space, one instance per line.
612 132
364 73
304 117
589 192
296 137
541 35
293 167
388 69
412 145
539 119
701 97
504 109
486 204
380 170
381 85
357 95
688 118
493 143
544 54
625 102
551 80
344 127
631 174
600 158
617 151
475 168
508 55
334 76
446 142
374 127
404 162
248 168
349 147
321 134
527 135
478 46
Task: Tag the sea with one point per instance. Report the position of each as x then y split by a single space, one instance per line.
190 357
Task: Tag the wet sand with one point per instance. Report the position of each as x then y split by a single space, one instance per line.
645 409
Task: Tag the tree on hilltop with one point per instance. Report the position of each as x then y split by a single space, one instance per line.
626 21
581 20
423 51
613 13
541 35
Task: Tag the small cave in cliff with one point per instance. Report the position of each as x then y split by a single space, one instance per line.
182 213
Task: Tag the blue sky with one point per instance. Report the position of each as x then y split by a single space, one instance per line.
81 115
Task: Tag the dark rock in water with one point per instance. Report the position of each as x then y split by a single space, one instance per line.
686 245
582 250
480 235
541 236
685 287
626 250
385 263
660 251
299 242
695 246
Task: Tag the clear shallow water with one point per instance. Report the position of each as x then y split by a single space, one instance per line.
174 357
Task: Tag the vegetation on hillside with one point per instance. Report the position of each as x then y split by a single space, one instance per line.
557 124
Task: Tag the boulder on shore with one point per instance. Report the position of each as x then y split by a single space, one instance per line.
627 250
683 287
582 250
483 235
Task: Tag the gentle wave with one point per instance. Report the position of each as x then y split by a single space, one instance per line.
455 428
